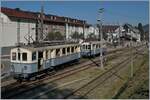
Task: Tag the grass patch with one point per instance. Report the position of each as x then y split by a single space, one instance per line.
135 87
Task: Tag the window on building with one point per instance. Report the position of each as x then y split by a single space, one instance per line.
51 17
34 56
18 56
65 19
63 51
24 56
13 56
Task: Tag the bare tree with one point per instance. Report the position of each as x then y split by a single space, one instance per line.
91 36
55 36
77 36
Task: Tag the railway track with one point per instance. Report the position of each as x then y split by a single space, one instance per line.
21 89
93 81
17 83
87 88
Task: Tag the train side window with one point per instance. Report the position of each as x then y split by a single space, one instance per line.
94 46
18 56
76 48
57 52
99 46
63 51
24 56
34 56
13 56
72 49
46 54
68 50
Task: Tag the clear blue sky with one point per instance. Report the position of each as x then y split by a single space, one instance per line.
132 12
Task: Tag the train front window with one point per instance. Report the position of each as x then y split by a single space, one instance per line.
84 47
57 52
13 56
34 56
89 46
24 56
18 56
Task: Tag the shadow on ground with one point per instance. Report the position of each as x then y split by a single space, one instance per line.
52 92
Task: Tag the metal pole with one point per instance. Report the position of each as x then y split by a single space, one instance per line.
101 50
83 30
131 57
101 37
119 33
29 33
42 10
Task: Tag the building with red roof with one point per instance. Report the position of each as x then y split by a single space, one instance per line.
27 23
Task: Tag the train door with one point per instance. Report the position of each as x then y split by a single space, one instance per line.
40 60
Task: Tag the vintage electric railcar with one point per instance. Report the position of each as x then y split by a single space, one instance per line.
92 48
28 61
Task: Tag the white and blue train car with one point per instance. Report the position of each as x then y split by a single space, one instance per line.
92 48
28 61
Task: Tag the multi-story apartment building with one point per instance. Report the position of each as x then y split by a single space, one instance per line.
26 23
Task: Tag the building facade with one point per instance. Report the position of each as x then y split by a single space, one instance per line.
27 25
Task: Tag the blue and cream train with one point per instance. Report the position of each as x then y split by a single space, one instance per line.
29 61
92 48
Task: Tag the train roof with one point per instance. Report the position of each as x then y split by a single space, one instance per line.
47 45
93 42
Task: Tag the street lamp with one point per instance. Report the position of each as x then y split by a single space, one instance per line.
101 10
